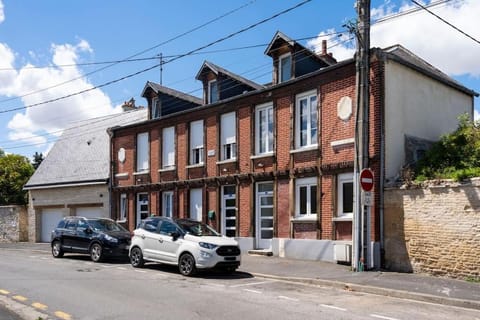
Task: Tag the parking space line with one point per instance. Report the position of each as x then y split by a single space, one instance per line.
288 298
121 268
249 284
4 292
20 298
63 315
140 271
382 317
333 307
253 291
39 305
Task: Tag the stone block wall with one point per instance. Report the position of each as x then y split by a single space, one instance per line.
434 229
13 224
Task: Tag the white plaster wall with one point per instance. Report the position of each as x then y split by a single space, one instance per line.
419 106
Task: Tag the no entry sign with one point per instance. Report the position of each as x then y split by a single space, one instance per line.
366 179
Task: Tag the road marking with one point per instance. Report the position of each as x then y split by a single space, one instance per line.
253 291
288 298
39 305
140 271
248 284
20 298
121 268
382 317
5 292
333 307
63 315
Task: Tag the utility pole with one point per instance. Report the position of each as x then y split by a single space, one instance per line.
361 217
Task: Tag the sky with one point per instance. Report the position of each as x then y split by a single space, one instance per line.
67 61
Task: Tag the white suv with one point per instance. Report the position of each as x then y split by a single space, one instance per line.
187 243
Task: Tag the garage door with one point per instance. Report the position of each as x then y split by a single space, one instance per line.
50 219
91 212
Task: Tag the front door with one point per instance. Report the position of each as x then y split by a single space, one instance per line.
264 215
229 211
142 206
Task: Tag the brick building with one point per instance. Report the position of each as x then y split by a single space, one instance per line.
273 165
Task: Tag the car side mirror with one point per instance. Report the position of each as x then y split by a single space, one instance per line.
175 235
88 230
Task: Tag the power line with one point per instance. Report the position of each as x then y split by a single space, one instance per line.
135 55
158 64
410 11
445 21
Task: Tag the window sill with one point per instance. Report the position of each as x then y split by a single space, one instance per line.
122 221
343 218
308 218
172 168
199 165
121 175
139 173
227 161
263 155
309 148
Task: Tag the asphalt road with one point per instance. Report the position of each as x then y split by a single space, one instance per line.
76 288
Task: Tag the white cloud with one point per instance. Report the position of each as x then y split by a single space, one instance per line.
427 36
2 13
32 124
476 115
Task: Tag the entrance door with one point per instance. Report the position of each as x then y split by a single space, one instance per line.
264 215
229 211
142 206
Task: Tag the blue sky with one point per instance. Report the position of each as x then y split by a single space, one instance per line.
44 45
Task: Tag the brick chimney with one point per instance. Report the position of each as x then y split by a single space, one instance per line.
327 56
129 105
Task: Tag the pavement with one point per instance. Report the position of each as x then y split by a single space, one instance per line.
411 286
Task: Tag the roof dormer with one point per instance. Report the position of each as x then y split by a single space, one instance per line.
163 101
220 84
291 59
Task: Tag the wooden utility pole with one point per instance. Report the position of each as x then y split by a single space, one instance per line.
361 218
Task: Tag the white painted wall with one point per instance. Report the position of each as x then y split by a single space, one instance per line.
419 106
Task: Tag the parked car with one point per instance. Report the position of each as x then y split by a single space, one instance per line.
189 244
98 237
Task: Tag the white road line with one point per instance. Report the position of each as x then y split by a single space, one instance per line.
121 268
288 298
333 307
253 291
140 271
248 284
382 317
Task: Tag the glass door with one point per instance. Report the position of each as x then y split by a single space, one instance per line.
229 211
264 215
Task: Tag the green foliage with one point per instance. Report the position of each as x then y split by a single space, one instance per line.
15 170
37 159
456 156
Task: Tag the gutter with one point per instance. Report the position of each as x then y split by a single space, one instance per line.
65 184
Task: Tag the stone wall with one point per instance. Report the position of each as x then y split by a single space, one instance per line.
434 229
13 224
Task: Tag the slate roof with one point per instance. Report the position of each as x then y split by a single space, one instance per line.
82 154
171 92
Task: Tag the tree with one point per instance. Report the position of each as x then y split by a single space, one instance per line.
37 159
15 170
456 156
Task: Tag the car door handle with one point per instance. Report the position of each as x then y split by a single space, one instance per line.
160 240
142 236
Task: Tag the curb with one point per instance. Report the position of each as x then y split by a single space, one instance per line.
423 297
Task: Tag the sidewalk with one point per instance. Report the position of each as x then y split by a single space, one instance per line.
401 285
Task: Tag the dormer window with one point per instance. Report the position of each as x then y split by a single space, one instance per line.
156 107
285 67
212 91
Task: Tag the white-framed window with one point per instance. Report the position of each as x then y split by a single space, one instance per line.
167 204
264 129
306 124
284 67
168 147
156 108
345 195
123 207
196 204
306 197
196 142
142 152
228 139
212 91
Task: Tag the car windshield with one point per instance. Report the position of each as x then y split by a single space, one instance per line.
105 225
197 228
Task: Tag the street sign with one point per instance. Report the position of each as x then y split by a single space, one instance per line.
366 179
367 199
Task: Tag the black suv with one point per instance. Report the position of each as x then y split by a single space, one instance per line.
98 237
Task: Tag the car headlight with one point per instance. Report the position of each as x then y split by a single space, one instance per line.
205 254
207 245
111 239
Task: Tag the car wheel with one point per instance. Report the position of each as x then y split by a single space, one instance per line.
186 265
57 251
136 258
96 252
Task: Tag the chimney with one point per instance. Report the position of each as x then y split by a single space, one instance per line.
324 47
129 105
327 56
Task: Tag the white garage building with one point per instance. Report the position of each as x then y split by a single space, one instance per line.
74 177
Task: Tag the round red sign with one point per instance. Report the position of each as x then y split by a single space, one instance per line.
366 179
